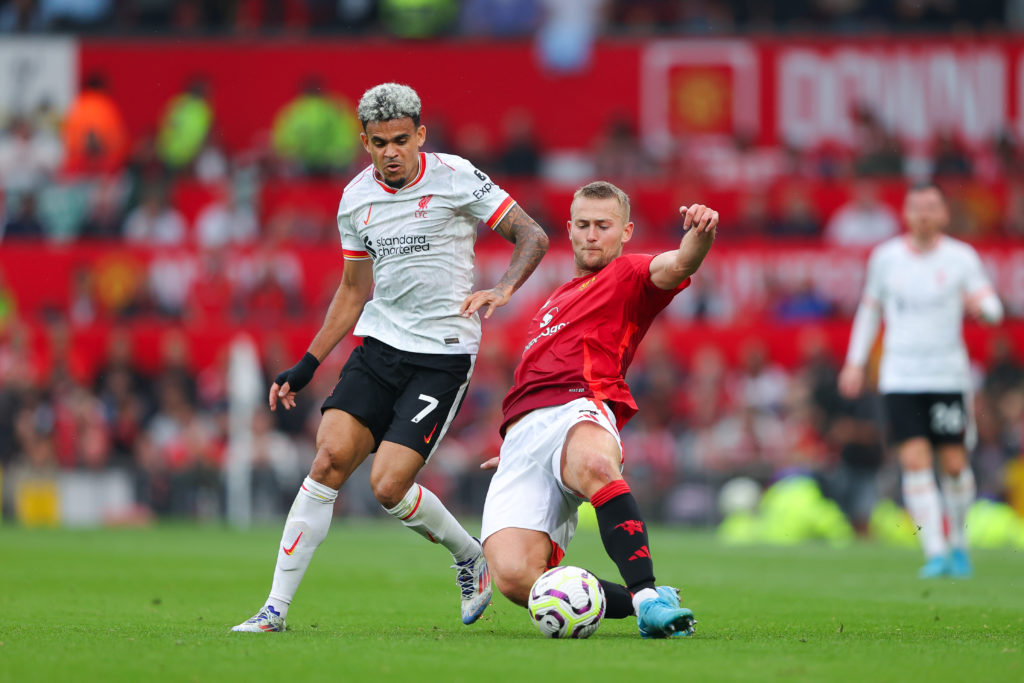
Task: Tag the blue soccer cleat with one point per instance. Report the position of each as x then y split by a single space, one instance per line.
662 617
958 564
934 568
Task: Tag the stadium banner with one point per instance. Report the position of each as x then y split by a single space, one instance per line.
802 92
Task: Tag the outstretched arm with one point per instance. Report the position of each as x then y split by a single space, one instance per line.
531 244
669 269
347 304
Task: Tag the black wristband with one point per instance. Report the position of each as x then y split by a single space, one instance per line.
300 374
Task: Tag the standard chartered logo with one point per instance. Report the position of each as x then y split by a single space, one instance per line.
403 244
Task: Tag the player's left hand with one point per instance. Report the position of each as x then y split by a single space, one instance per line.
491 464
492 298
699 216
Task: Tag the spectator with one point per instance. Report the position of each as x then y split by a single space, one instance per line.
950 159
29 156
226 221
619 156
864 220
520 156
25 224
315 133
185 126
879 151
418 18
502 18
566 36
800 301
22 16
70 16
798 217
105 219
155 222
95 137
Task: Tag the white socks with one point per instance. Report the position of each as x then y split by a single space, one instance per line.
304 530
424 513
921 496
643 595
958 494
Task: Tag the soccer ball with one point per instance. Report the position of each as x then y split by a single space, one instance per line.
567 602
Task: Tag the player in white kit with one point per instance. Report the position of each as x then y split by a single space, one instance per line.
921 283
408 224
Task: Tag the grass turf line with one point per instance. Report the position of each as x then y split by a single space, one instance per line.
379 603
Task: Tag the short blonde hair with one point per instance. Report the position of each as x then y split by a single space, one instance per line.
602 189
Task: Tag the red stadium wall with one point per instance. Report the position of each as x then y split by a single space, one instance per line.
801 90
742 283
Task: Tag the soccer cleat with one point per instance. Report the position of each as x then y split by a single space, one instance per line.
934 568
474 582
958 564
671 595
662 617
266 620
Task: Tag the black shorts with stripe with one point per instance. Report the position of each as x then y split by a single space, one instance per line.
404 397
939 417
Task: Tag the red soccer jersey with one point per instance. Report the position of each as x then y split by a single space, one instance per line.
584 338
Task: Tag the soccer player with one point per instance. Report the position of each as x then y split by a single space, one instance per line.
408 223
569 399
921 283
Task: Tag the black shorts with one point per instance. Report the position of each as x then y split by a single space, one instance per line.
403 397
939 417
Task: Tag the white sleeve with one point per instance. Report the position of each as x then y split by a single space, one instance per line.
479 196
352 247
869 315
979 290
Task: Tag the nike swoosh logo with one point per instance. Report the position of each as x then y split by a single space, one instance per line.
427 439
289 551
366 222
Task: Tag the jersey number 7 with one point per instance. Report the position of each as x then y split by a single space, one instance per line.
431 404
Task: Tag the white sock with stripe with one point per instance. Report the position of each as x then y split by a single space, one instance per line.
921 496
958 495
424 513
304 530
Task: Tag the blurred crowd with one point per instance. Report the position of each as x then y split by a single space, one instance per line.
427 18
82 176
702 422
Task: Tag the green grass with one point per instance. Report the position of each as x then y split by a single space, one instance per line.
378 603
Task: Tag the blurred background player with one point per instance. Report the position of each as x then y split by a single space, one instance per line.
922 282
563 414
408 224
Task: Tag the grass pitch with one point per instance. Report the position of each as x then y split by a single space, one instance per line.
378 603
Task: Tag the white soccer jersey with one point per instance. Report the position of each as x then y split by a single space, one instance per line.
420 239
922 295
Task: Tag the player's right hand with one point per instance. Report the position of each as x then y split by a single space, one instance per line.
291 381
851 381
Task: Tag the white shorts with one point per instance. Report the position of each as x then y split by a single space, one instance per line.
527 491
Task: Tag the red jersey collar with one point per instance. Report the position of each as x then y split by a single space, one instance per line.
419 176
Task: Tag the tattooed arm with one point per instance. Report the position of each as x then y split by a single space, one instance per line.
531 244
